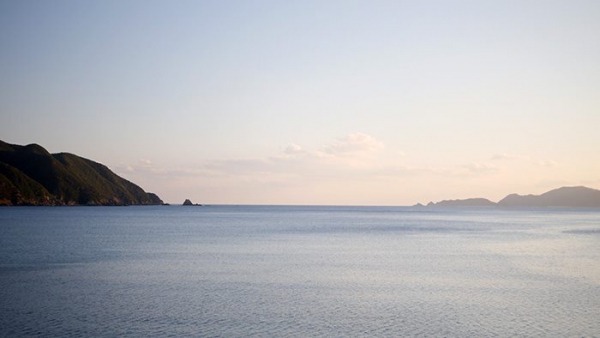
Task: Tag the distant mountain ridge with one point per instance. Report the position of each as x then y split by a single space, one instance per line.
469 202
561 197
30 175
579 197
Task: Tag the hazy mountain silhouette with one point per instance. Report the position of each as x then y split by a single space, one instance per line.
581 197
469 202
561 197
30 175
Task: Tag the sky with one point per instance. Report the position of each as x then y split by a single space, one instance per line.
310 102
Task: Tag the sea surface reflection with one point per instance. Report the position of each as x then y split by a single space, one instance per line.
298 271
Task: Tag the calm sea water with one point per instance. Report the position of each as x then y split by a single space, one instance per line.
229 271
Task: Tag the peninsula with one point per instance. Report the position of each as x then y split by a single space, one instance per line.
30 175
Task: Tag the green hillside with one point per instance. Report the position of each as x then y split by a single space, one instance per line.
30 175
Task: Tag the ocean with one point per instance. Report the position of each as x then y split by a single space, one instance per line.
283 271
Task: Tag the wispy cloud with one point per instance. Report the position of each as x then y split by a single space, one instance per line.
294 149
479 168
503 156
148 168
353 144
356 164
123 168
355 155
145 163
349 157
530 159
548 163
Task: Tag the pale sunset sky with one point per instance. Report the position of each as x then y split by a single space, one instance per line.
310 102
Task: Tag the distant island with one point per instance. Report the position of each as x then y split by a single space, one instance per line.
30 175
580 197
470 202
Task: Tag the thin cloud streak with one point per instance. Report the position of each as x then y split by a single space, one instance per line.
354 169
353 144
514 157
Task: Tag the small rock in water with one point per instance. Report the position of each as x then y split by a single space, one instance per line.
188 202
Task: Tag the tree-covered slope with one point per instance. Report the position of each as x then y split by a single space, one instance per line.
30 175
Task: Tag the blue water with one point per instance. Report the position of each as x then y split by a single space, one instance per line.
239 271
